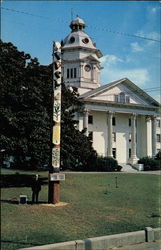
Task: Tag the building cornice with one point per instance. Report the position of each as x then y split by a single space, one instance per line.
121 105
97 51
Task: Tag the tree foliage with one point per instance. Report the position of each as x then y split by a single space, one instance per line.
26 112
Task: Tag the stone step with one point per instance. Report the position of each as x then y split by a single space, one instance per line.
128 168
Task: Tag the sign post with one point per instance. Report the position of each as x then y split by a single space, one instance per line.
54 173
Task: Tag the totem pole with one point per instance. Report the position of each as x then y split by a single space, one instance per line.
54 172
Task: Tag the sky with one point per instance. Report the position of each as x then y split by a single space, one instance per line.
119 29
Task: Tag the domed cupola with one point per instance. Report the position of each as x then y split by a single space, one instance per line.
78 37
77 24
81 65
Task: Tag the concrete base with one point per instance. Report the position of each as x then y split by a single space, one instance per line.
133 160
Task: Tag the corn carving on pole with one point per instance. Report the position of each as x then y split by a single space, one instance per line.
54 173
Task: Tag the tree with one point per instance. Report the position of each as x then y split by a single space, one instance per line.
26 113
25 119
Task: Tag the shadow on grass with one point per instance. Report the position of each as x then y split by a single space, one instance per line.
19 180
16 202
20 242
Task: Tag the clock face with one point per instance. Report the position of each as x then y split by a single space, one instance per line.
85 40
87 68
72 39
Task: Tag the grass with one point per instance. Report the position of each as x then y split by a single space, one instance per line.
95 208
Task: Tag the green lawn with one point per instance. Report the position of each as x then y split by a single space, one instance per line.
95 208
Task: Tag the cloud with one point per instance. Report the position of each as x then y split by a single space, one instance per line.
108 60
138 76
136 47
153 10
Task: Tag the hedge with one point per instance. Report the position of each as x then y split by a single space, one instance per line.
150 163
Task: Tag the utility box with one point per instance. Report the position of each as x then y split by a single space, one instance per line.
23 200
139 167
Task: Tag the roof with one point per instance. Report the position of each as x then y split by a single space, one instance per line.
88 95
78 37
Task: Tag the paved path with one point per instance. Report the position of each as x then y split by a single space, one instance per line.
137 172
142 246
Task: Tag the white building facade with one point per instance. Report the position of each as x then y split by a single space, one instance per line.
122 120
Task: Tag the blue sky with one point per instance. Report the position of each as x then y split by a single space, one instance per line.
124 56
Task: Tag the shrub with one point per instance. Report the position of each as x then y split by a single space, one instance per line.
93 163
158 156
107 164
150 163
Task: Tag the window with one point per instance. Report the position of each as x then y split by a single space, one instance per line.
114 152
113 121
90 119
75 72
85 40
127 99
158 137
129 137
90 135
72 39
129 122
158 123
122 97
71 73
114 136
129 152
67 73
116 98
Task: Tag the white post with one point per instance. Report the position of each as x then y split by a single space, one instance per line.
109 142
133 158
148 134
154 136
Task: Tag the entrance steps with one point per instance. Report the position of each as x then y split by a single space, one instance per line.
127 168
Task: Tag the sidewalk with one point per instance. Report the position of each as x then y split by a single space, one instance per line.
158 172
142 246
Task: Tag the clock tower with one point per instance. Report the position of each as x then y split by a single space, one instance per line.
80 57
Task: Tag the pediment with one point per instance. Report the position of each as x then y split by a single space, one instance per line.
90 58
122 92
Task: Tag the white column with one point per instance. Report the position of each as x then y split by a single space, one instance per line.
81 70
85 121
133 158
92 72
148 135
154 139
109 139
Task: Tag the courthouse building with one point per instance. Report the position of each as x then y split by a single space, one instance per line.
121 119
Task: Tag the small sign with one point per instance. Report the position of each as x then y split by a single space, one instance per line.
57 177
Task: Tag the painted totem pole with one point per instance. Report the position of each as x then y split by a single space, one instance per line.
54 173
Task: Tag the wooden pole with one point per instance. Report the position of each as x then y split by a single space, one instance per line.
54 177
